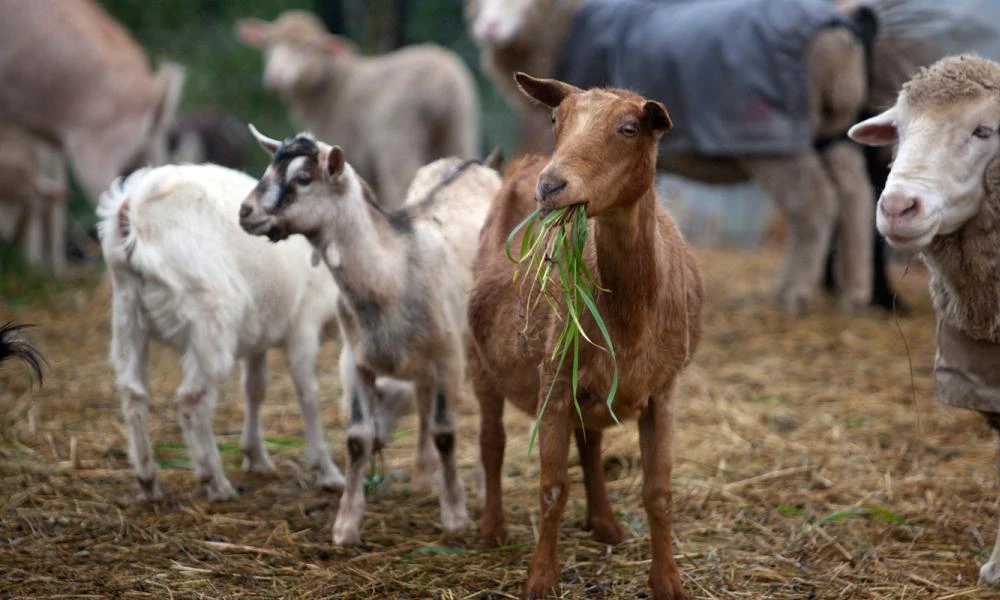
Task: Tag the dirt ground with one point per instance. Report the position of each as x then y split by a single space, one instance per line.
809 464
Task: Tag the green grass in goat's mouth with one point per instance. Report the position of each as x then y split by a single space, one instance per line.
551 263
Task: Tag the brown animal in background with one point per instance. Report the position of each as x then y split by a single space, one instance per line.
605 157
394 113
71 74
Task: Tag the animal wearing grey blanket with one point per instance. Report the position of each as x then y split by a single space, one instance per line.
732 72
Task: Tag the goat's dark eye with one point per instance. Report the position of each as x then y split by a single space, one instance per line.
983 132
304 178
553 117
628 130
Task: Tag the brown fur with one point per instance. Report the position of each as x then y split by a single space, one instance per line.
652 312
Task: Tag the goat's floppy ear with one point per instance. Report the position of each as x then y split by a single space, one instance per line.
656 116
335 161
879 130
268 144
549 92
253 32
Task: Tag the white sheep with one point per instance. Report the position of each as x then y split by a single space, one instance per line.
764 132
404 278
942 201
183 271
393 113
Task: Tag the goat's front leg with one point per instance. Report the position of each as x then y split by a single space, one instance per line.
423 475
195 406
656 434
130 353
360 443
600 518
454 515
254 376
300 356
553 447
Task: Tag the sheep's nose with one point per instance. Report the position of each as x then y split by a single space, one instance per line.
245 210
899 205
549 187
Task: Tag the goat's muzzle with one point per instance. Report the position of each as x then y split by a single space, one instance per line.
548 188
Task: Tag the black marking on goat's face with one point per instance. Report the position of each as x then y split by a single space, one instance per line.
357 414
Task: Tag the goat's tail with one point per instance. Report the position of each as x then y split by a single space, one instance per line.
13 344
115 209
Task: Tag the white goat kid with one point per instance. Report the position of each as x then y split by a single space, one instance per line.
182 270
404 279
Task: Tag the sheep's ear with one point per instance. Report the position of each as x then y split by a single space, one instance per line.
253 32
549 92
334 45
268 144
657 116
879 130
335 161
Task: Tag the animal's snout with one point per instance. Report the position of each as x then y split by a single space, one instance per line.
899 206
245 211
549 187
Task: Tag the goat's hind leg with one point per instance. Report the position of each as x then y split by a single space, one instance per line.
360 444
492 445
130 353
454 514
989 573
600 518
254 376
656 432
195 400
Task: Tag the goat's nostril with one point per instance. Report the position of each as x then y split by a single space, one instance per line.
899 207
549 188
245 210
910 208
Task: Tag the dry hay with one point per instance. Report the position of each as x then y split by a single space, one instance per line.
806 467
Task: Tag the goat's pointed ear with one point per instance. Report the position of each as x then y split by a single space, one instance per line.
253 32
269 145
335 161
656 116
879 130
550 92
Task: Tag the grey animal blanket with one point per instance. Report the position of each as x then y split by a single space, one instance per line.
966 370
731 72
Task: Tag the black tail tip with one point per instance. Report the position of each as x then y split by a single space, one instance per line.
13 344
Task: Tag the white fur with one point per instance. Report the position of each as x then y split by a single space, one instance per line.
939 165
184 272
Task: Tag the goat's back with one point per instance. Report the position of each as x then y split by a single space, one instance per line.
174 233
457 208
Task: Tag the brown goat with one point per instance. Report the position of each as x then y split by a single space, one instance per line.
604 158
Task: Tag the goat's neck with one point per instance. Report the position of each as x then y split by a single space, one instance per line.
625 243
366 255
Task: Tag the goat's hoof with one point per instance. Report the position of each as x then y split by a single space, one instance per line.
421 484
149 490
854 305
668 588
454 520
491 537
989 574
607 531
792 304
257 462
220 491
330 480
345 536
541 587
